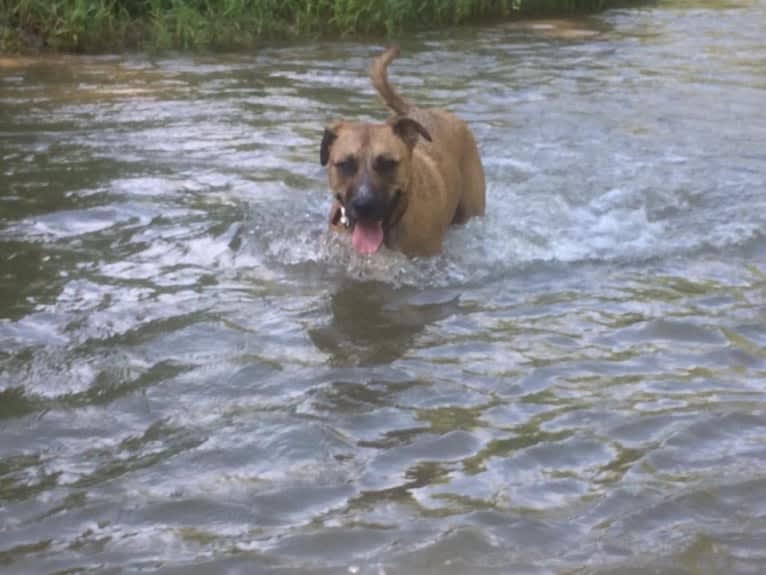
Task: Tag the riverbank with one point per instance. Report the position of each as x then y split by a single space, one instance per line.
108 25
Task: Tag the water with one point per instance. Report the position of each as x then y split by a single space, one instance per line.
196 379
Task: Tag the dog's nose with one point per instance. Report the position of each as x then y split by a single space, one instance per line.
365 204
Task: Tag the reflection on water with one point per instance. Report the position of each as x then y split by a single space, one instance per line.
195 378
372 325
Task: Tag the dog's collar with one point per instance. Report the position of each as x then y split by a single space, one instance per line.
343 218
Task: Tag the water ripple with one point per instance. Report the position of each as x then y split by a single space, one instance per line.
196 378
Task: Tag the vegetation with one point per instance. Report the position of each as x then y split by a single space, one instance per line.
92 25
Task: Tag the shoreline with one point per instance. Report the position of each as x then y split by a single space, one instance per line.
109 26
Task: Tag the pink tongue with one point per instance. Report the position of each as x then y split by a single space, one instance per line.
367 237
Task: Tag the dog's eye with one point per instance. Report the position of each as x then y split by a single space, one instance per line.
346 166
385 164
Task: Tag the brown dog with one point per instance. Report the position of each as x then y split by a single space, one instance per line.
402 182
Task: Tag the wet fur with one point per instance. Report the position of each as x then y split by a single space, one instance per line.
439 182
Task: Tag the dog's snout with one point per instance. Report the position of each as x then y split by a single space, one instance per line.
365 203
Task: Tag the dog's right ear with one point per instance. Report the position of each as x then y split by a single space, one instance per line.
329 136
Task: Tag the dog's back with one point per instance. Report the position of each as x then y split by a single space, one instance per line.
452 145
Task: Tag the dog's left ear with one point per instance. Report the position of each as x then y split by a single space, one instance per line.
409 130
329 136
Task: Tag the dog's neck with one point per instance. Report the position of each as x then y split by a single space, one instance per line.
395 211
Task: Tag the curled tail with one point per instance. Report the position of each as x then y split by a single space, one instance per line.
379 77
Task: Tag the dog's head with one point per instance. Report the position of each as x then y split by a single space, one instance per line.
368 168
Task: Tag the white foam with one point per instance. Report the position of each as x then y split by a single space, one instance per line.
515 232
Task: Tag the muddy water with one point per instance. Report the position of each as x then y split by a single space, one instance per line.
196 379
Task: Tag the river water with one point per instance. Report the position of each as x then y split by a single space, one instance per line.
195 379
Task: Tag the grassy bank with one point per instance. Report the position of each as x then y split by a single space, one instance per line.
94 25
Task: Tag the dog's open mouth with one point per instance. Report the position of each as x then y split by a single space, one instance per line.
367 237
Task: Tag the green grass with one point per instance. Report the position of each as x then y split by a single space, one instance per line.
98 25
